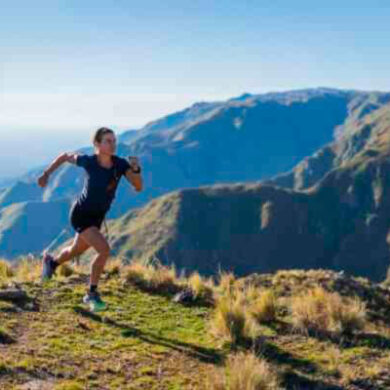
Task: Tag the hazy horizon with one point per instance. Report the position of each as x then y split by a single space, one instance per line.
46 145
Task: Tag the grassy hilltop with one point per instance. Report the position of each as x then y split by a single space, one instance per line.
313 329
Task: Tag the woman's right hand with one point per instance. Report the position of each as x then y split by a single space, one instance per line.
43 179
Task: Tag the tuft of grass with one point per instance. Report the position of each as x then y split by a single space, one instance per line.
318 310
113 267
264 308
310 311
65 270
226 282
134 273
162 278
252 293
239 311
229 320
156 278
28 270
5 270
347 317
244 371
203 289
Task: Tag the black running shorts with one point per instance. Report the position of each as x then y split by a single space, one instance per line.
80 219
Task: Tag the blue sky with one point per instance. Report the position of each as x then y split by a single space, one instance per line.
68 67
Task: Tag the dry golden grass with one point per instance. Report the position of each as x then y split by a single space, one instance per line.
226 282
134 272
264 307
152 277
239 310
113 266
5 270
244 371
202 288
310 310
319 310
347 317
228 322
252 293
161 278
28 270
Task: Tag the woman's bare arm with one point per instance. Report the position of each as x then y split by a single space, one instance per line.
63 157
135 179
58 161
71 157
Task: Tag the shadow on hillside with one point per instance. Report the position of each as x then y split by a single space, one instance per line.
18 372
5 338
274 354
361 339
209 355
294 381
371 340
291 379
377 383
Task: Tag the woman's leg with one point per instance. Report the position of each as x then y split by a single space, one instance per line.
78 247
96 239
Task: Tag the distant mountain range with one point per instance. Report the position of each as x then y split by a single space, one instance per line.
338 218
240 184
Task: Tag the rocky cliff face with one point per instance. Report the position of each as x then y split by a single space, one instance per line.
364 134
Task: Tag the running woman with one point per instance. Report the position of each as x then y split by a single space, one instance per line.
103 172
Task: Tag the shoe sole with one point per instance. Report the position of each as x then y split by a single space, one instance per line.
99 309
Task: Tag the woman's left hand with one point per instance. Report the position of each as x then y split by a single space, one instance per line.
133 161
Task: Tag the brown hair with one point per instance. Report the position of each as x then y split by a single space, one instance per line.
100 133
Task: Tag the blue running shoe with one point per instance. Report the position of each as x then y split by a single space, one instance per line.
94 301
48 267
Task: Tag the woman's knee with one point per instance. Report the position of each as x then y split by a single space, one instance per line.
94 238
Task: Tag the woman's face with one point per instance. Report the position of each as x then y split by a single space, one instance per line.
107 144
